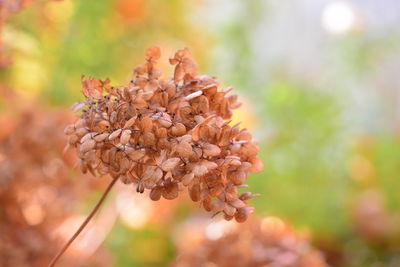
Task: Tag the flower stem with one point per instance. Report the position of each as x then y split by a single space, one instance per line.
83 225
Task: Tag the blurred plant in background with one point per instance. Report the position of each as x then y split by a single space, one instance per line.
40 196
322 94
266 242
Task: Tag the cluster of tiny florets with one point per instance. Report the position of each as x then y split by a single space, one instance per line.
167 135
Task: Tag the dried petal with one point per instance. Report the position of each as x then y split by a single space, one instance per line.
211 150
169 164
86 146
114 134
155 193
125 136
184 149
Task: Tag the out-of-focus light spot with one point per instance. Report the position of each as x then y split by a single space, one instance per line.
216 230
246 116
272 225
92 236
28 76
51 168
338 17
133 209
59 11
132 10
65 230
20 41
361 169
46 194
33 213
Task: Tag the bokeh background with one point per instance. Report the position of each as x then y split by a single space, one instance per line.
320 84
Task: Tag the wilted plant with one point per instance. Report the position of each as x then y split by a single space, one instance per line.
266 242
167 135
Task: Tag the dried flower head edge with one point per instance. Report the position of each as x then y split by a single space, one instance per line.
167 135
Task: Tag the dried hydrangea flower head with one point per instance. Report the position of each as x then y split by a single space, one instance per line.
266 242
167 135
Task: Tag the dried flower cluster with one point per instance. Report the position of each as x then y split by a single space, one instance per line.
267 242
167 135
37 191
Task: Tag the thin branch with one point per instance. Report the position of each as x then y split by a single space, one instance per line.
83 225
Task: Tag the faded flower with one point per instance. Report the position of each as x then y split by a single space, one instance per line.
266 242
166 135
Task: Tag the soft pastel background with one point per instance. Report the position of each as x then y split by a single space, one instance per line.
320 84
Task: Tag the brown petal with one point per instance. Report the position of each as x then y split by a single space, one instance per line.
229 210
218 205
169 164
70 129
155 193
184 149
211 150
147 124
125 137
137 154
194 192
178 129
100 137
88 145
114 134
187 178
242 214
130 122
256 165
170 191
